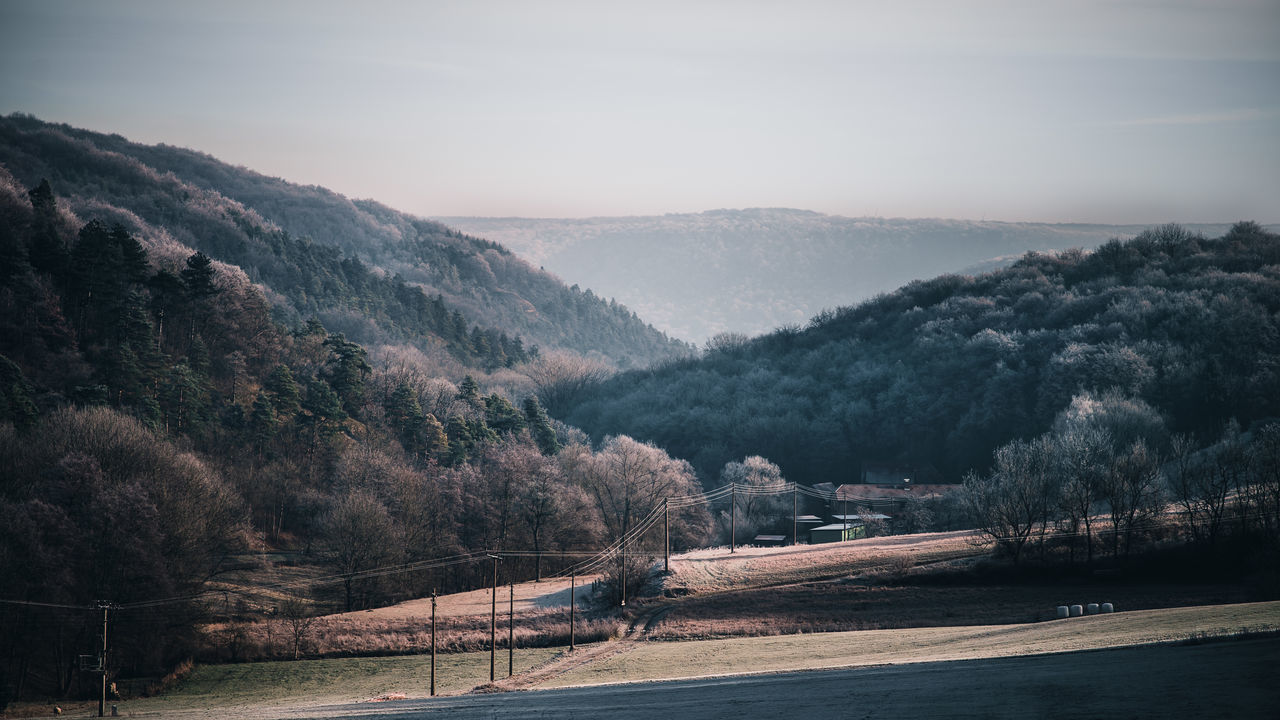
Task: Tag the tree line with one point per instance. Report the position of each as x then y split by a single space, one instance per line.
1108 479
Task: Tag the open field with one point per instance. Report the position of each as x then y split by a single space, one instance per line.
667 660
838 606
300 689
715 569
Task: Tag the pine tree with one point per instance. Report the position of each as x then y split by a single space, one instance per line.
540 426
262 422
469 392
346 370
501 416
45 250
282 390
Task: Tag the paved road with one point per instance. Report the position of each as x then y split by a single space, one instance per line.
1233 679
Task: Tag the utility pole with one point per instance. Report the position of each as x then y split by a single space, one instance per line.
795 520
511 629
102 661
733 516
666 537
843 535
433 643
573 579
493 621
622 555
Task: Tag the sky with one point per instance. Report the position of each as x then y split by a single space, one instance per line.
1054 111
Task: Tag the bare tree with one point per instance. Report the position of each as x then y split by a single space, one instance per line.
1131 490
560 377
756 507
299 616
1083 454
1014 502
1199 490
359 537
628 480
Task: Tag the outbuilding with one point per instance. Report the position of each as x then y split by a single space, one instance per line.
836 533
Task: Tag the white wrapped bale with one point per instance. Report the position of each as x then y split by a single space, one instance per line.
1077 610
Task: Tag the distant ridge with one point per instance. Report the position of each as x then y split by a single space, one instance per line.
750 271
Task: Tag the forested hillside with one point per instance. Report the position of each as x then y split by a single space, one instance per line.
161 425
375 274
940 373
751 271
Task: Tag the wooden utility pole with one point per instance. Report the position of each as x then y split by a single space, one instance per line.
493 622
511 629
795 519
666 537
733 516
846 518
102 662
573 579
433 643
622 555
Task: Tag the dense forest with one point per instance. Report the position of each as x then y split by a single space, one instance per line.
160 425
940 373
372 273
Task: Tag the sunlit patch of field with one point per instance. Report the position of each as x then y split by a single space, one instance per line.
701 658
548 594
717 569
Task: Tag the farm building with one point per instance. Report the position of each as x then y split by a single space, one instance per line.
836 532
770 540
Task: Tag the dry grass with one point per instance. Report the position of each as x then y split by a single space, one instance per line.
841 606
353 634
715 569
667 660
530 596
241 687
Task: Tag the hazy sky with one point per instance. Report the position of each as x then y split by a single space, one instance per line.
1008 109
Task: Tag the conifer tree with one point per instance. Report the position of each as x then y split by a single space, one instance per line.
540 426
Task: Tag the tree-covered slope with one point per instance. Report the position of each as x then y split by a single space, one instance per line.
751 271
154 417
944 371
356 264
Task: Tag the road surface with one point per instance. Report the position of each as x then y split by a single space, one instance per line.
1227 679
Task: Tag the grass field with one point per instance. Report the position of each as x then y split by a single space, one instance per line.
716 569
668 660
320 682
251 690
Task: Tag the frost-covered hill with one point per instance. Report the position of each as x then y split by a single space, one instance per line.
750 271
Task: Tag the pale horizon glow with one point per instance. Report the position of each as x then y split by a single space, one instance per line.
1063 111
